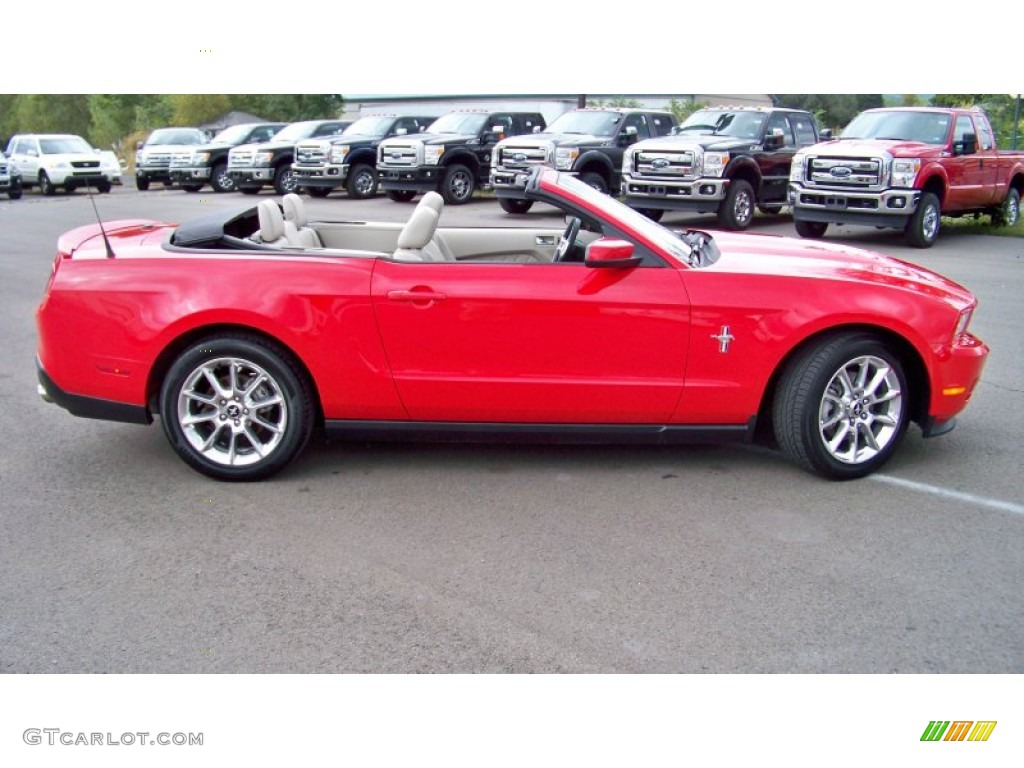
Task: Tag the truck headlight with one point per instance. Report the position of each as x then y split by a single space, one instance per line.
627 162
339 154
432 155
495 157
263 158
904 171
200 158
565 157
715 162
796 170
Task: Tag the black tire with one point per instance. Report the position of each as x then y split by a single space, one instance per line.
458 184
737 209
14 193
220 180
923 228
595 180
1008 213
361 183
400 195
45 185
811 229
285 181
514 205
103 186
821 395
192 187
318 191
141 183
228 425
770 209
654 214
249 190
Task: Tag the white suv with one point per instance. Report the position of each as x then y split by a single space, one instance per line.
52 160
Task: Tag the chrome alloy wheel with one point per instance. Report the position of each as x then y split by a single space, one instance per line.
232 411
860 410
930 223
460 184
743 207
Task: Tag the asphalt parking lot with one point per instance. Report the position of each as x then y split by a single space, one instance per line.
363 557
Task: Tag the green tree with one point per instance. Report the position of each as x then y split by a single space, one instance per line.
617 102
114 116
197 108
52 113
832 110
683 109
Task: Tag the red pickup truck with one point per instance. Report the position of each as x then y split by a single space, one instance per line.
905 168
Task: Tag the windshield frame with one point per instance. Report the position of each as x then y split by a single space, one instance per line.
879 122
460 121
741 118
604 121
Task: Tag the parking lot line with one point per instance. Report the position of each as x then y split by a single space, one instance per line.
969 498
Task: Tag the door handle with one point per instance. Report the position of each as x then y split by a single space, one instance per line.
416 296
545 240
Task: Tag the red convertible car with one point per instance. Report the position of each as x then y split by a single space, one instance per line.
247 332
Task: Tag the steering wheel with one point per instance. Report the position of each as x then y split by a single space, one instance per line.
568 238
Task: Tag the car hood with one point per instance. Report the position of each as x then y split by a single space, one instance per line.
558 139
712 143
875 147
435 138
790 257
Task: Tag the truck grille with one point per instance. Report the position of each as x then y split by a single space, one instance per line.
3 169
157 160
400 154
845 172
181 159
241 159
85 163
522 157
666 163
312 153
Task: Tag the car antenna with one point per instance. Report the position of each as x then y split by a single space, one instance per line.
106 240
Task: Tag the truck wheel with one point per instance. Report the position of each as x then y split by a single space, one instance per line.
14 193
512 205
400 195
770 209
362 182
812 229
45 185
141 183
458 184
654 214
103 186
1009 213
923 228
594 180
219 179
284 180
318 191
842 406
737 210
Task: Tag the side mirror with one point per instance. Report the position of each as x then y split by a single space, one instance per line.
967 146
611 254
774 141
825 134
537 129
628 136
139 144
401 131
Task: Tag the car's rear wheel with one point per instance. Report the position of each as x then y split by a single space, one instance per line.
923 228
45 185
400 195
236 407
1009 212
841 407
514 205
737 209
458 185
220 180
811 229
362 182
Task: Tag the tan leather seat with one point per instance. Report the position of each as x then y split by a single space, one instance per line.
415 237
272 224
295 212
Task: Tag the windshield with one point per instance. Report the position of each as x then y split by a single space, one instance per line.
64 145
233 135
459 122
661 237
369 126
723 122
174 136
586 123
297 131
926 127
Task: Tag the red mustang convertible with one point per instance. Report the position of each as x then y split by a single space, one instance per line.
246 332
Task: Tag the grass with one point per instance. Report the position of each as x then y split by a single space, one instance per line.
981 225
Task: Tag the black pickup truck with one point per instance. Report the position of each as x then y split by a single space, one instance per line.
453 157
350 160
722 160
588 143
194 167
256 165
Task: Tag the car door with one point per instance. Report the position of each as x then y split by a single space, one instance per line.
25 154
775 163
543 343
966 171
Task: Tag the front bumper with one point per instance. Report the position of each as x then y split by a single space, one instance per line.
10 183
159 173
89 407
329 176
421 179
185 175
888 208
703 195
251 175
954 378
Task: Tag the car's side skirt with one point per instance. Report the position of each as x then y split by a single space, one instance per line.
467 432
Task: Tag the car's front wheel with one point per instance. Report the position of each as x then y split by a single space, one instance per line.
220 180
923 228
284 180
842 406
737 209
458 185
811 229
362 182
45 185
236 407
